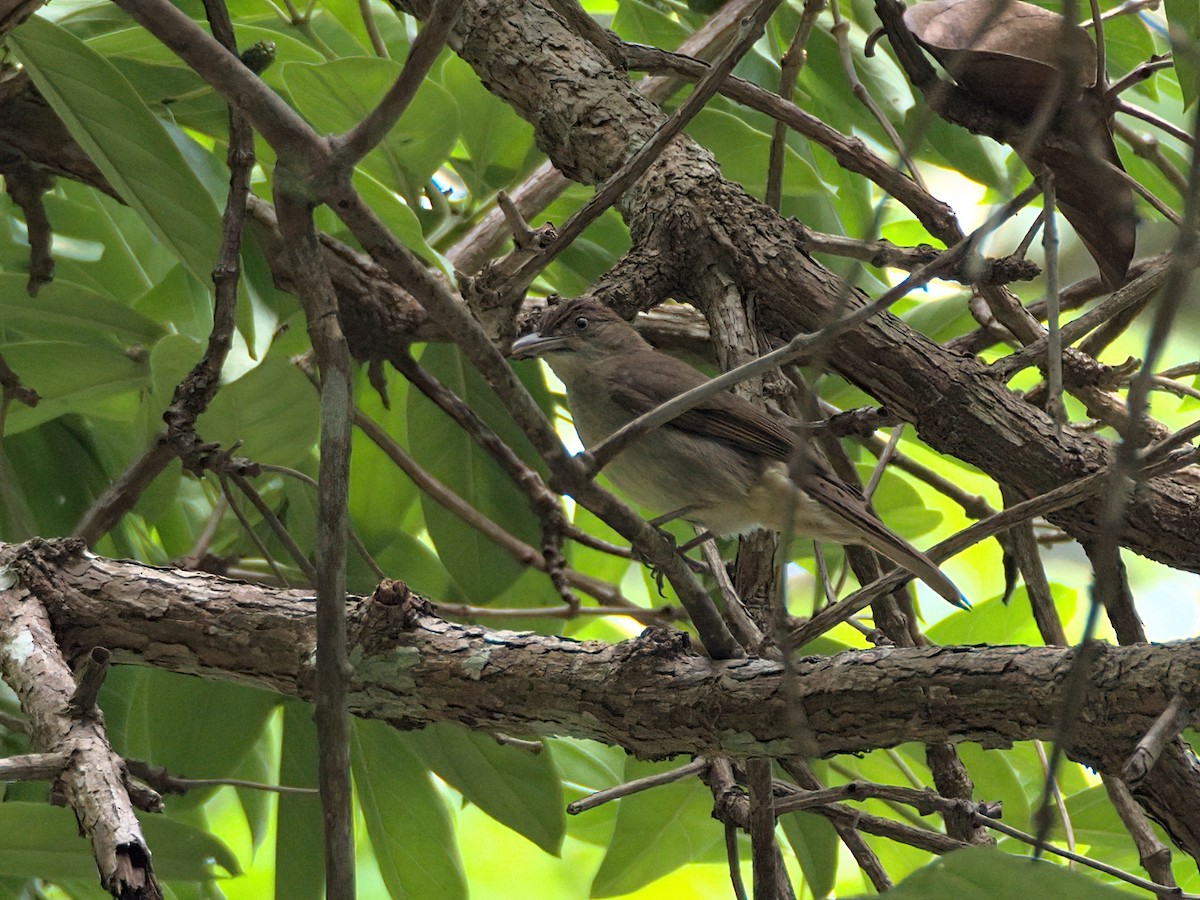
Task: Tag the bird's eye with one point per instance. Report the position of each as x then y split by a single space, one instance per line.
581 323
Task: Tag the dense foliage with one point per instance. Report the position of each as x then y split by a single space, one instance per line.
444 810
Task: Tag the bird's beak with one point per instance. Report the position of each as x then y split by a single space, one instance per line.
534 344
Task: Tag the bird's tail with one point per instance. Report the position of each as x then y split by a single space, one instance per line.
904 554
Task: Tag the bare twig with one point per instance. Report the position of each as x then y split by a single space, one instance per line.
695 767
333 667
789 69
762 827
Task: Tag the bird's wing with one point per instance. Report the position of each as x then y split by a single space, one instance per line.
724 417
742 425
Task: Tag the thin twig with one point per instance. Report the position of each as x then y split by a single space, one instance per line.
789 70
695 767
1054 356
1172 720
762 827
164 782
1059 803
1061 497
1155 856
840 30
368 19
316 294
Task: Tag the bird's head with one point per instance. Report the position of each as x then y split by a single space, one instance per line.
577 333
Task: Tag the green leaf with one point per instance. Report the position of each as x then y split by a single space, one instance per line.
587 767
743 151
645 24
1095 822
967 153
184 852
128 257
481 568
196 729
410 829
496 138
45 499
272 410
39 840
380 493
995 777
299 854
1184 17
985 874
815 843
170 361
1127 44
515 787
656 832
129 144
993 622
72 377
334 96
899 504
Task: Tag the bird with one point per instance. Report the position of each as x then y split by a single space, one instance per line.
725 465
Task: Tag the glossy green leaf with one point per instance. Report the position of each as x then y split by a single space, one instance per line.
410 828
70 312
496 138
481 568
129 144
995 777
380 492
43 499
1095 822
1184 16
657 832
513 786
970 154
39 840
993 622
743 151
1127 44
272 410
587 767
196 729
335 95
985 874
73 377
299 854
644 23
171 360
815 843
103 244
899 504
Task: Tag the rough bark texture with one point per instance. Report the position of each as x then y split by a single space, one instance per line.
93 781
654 695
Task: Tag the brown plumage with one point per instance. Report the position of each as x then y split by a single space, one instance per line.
725 464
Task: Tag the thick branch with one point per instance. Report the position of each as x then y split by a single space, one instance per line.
654 695
92 782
